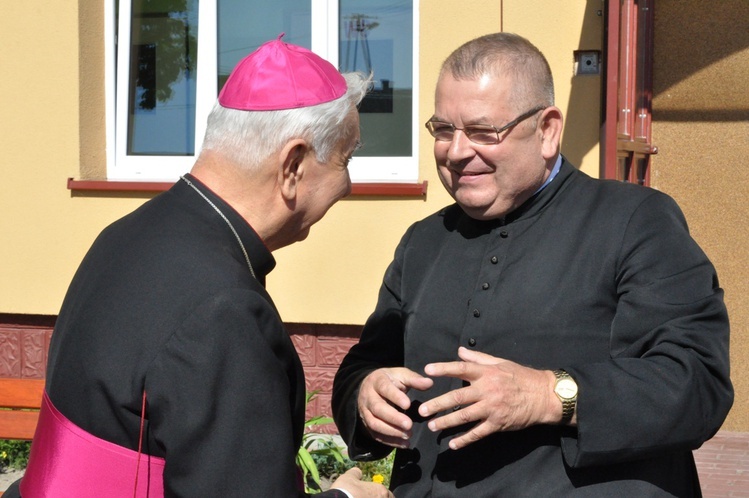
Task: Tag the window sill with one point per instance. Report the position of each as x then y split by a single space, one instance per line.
358 189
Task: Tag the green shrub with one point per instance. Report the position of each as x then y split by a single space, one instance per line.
316 446
14 453
320 458
377 471
382 468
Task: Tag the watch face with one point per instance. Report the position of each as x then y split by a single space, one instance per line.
566 388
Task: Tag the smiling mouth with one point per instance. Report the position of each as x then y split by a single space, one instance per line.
469 173
460 170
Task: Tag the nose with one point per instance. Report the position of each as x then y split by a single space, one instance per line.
460 147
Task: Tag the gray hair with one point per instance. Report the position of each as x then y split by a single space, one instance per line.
505 54
247 138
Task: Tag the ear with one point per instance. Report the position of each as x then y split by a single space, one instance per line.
291 158
550 128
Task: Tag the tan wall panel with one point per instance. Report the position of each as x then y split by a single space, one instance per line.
701 127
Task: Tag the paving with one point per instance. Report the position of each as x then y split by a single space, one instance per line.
723 465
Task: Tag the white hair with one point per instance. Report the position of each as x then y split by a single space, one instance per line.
247 138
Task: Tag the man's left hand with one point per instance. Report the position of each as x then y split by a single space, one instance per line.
502 396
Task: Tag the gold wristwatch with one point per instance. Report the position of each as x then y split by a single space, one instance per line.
566 390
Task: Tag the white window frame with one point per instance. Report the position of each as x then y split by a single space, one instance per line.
158 168
324 18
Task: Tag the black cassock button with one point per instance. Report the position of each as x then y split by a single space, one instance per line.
471 342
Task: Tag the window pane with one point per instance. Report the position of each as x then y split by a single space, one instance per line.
377 37
163 58
643 85
624 165
245 25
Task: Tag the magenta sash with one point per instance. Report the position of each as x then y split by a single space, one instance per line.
68 461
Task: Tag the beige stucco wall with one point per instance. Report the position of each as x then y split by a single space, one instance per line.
44 231
701 128
51 96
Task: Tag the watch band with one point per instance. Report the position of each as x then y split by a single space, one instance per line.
568 403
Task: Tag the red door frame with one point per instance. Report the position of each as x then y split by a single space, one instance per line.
626 132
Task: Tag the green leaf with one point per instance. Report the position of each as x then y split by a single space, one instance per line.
311 395
309 464
318 420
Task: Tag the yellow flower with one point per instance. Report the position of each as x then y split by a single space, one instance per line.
378 478
3 455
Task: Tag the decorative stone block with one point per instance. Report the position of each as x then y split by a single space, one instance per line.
10 352
306 348
319 379
312 410
323 404
330 352
33 354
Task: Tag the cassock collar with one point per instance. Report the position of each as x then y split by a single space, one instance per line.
538 201
542 198
261 258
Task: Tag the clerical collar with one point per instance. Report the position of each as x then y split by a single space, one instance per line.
553 174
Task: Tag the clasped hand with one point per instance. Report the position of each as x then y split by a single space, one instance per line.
500 396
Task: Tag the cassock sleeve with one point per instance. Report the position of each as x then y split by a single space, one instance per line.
381 345
666 386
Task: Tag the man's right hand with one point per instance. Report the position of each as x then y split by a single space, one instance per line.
380 393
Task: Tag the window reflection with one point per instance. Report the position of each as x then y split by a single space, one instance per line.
243 26
377 38
163 58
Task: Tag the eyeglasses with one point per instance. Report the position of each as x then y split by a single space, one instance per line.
479 134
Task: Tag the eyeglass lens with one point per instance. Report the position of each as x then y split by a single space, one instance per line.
480 134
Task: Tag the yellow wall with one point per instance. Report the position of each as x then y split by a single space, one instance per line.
44 232
51 127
